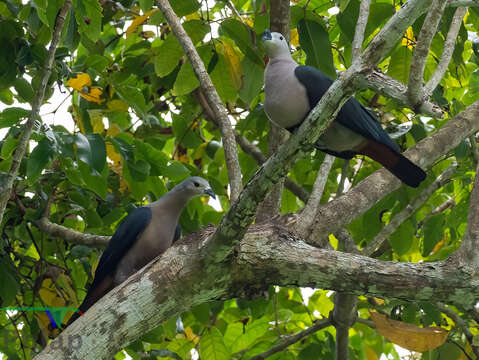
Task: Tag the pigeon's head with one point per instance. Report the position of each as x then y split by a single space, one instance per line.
196 185
275 44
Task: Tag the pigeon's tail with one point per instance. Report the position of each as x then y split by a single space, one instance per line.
403 168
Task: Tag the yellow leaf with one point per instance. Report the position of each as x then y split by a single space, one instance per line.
50 295
79 82
294 38
138 21
407 335
370 353
233 60
96 120
93 95
117 105
408 39
113 130
379 301
65 283
193 16
190 335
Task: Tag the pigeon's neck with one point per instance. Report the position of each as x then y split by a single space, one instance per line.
286 57
174 200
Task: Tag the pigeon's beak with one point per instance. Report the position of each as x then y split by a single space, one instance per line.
266 35
210 192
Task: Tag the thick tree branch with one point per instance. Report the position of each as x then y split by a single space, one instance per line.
387 86
458 3
308 213
19 152
71 235
229 144
290 340
446 53
419 57
341 211
410 209
267 255
357 46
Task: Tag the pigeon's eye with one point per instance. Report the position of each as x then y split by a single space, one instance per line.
196 184
281 38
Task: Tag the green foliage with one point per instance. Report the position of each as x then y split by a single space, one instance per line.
139 130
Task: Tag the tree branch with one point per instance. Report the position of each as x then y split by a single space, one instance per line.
446 53
387 86
19 152
71 235
229 144
458 3
308 213
410 209
419 56
357 46
460 323
344 316
341 211
290 340
267 255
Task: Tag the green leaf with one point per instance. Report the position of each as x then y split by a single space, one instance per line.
10 286
176 171
94 181
24 89
146 5
402 239
241 34
169 54
88 14
212 346
252 80
97 62
185 7
9 146
222 81
133 97
91 150
139 170
12 115
38 160
314 39
433 233
348 18
400 63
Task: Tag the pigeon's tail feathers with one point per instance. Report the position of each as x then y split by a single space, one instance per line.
403 168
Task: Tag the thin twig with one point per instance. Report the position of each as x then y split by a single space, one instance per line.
408 211
19 153
360 28
308 213
290 340
419 57
344 316
449 45
229 143
460 323
437 210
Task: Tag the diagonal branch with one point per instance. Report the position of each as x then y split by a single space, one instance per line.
410 209
419 57
341 211
387 86
290 340
308 213
19 153
360 28
446 53
229 144
458 3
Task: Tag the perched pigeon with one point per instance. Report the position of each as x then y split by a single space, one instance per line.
292 90
143 235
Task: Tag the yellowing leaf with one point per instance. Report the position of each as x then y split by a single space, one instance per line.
113 130
50 295
117 105
294 38
407 335
96 120
79 82
370 353
408 39
93 95
138 21
233 60
190 335
147 34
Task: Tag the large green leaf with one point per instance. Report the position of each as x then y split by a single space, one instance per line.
433 233
314 40
38 160
400 63
402 239
212 345
242 35
10 285
10 116
91 150
88 15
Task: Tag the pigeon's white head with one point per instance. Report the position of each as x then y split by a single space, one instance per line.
195 186
275 44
